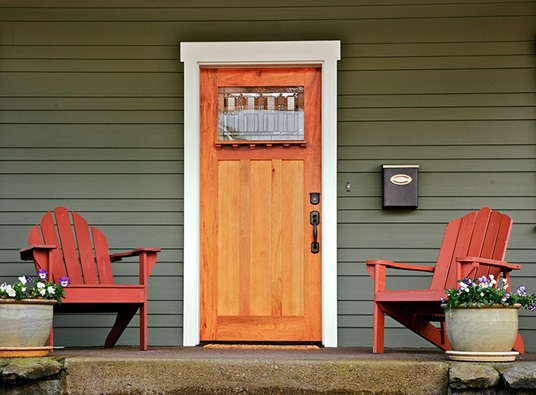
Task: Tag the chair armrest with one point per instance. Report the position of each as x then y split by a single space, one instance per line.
488 262
28 253
397 265
474 262
377 270
147 259
135 252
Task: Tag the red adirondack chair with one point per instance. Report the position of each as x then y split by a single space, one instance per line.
81 253
473 245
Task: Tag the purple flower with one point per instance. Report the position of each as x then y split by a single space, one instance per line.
64 281
28 279
505 297
42 273
483 282
532 307
467 281
522 290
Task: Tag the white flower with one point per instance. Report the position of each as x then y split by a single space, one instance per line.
10 291
51 290
40 286
3 287
22 279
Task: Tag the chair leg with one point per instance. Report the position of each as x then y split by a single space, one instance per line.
124 316
51 338
519 345
143 327
443 329
378 335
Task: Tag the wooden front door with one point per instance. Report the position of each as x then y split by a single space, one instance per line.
260 160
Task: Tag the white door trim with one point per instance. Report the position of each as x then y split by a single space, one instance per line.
195 55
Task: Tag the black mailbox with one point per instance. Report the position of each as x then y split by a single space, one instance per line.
400 186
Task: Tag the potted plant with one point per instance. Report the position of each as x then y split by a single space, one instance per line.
481 316
26 312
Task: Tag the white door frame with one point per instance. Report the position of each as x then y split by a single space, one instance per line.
319 53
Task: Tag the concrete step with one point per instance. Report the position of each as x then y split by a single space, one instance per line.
260 377
180 370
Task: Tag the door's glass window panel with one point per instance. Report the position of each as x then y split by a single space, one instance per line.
260 113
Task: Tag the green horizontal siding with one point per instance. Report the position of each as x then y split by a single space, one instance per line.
91 117
244 10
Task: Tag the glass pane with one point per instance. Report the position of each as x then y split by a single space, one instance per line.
260 113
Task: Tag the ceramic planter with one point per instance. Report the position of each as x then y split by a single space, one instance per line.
482 333
26 326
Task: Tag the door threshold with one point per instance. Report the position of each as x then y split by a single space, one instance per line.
261 346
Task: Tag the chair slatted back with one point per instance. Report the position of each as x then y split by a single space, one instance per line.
83 260
483 233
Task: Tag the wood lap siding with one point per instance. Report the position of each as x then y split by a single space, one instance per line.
91 128
463 108
91 117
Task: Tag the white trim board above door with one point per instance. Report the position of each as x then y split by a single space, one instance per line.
285 53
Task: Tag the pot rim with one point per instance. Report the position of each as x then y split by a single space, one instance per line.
28 301
493 306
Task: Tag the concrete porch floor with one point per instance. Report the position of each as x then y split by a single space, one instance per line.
198 370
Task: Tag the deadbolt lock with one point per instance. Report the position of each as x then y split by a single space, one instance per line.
314 198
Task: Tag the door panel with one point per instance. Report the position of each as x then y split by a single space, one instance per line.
259 279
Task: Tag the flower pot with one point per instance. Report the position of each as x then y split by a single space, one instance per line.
482 333
26 326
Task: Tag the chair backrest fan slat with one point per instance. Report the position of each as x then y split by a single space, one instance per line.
462 246
483 229
102 256
68 246
50 237
446 253
85 249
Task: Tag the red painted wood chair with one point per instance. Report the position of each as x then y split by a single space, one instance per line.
473 245
81 253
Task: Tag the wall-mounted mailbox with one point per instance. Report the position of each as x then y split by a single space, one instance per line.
400 186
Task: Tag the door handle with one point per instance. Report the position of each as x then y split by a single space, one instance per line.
314 218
